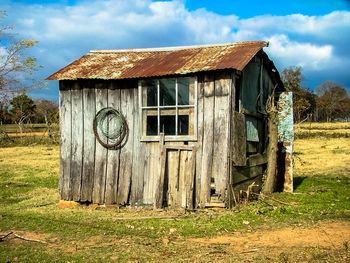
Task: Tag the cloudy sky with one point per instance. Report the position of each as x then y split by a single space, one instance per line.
313 34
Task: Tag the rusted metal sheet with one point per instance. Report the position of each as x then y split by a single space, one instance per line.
285 145
141 63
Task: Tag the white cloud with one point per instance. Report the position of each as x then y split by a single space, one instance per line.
305 55
66 33
300 24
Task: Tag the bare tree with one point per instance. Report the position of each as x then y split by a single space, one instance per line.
23 108
47 112
333 100
304 101
16 67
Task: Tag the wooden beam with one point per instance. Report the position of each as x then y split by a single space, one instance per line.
179 147
257 159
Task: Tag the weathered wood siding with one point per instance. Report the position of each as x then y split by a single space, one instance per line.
90 172
66 140
130 174
249 127
113 156
212 158
88 166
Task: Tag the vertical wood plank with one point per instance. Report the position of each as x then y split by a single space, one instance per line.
159 184
208 133
182 194
77 140
230 197
65 140
153 168
238 139
221 133
190 176
126 151
89 109
198 145
173 173
101 152
113 154
138 164
147 194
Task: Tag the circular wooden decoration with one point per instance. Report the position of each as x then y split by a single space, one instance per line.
110 127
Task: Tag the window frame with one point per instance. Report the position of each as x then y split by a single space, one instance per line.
177 107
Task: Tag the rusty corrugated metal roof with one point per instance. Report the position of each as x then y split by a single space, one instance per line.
152 62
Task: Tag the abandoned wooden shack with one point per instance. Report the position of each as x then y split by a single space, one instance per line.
175 127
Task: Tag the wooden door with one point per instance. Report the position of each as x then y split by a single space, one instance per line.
179 177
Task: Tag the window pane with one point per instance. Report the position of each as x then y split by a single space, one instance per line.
150 86
183 125
183 85
167 125
251 125
152 125
167 92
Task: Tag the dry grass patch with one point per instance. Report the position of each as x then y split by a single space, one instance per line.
42 159
323 126
319 130
329 157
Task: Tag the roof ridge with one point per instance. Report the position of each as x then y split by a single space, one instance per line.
167 49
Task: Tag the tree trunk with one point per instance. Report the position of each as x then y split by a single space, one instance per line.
48 126
21 126
270 184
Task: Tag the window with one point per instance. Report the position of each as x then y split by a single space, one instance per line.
168 106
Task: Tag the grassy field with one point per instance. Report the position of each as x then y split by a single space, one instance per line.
309 130
310 225
32 134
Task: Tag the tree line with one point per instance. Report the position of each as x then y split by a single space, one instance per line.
331 101
22 110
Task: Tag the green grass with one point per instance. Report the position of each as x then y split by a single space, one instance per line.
28 206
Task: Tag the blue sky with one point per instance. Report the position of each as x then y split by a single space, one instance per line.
312 34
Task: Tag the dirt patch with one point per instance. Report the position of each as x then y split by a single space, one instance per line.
324 242
18 237
330 235
67 204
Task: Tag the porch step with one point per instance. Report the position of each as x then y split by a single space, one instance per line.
220 205
215 199
215 202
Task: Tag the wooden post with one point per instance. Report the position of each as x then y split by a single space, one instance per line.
285 138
